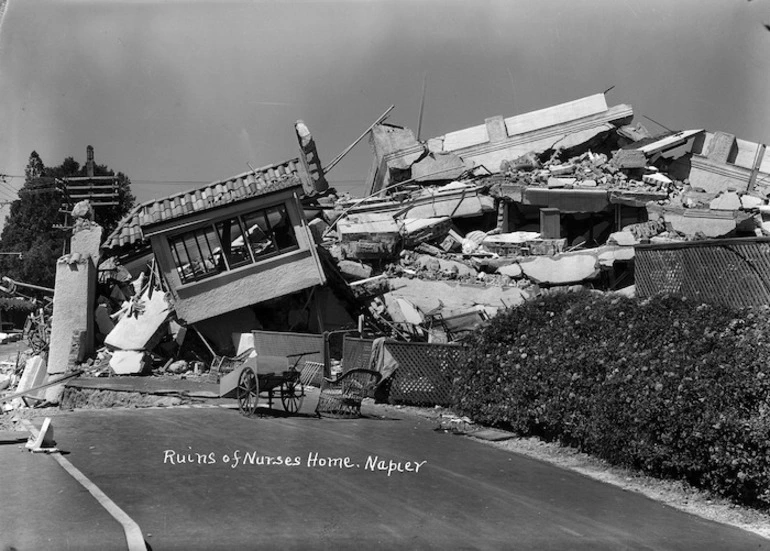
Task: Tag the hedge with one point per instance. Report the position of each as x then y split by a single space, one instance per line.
675 388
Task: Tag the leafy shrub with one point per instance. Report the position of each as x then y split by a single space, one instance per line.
672 387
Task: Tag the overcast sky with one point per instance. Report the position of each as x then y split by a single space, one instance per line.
182 91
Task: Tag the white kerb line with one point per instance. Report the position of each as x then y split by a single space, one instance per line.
134 537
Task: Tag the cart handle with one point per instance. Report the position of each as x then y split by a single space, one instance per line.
300 354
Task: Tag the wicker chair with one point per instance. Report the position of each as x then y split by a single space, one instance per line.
342 397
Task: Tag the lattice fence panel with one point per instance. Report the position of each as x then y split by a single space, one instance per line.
424 373
734 272
356 353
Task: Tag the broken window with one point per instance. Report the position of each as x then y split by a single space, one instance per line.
270 231
232 243
197 254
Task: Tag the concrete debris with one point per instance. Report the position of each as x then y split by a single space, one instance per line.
727 201
353 271
457 226
561 269
129 362
142 323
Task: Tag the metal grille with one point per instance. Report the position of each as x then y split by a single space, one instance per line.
277 343
356 353
732 272
424 374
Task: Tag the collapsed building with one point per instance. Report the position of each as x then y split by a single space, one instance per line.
451 229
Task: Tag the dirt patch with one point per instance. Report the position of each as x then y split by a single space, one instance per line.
674 493
88 398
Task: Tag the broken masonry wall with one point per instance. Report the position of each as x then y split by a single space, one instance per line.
310 161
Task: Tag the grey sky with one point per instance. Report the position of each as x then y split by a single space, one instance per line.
193 91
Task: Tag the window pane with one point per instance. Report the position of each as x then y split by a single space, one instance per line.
197 254
259 236
233 243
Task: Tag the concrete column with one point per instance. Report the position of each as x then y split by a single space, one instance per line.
73 309
550 223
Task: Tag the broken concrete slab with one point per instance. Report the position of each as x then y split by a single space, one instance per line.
137 330
726 201
513 271
704 223
625 238
749 202
420 230
129 362
561 269
438 167
34 375
609 254
453 203
353 271
429 296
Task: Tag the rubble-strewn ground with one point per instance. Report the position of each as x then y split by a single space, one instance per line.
676 494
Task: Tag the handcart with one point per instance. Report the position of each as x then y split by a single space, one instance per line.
266 376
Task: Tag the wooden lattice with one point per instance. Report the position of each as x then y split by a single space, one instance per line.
423 376
733 272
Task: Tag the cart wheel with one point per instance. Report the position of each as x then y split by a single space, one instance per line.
292 394
248 392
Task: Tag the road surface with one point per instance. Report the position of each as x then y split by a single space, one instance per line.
209 479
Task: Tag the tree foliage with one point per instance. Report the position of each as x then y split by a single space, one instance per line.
29 227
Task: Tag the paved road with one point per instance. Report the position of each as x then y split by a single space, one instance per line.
451 492
43 507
